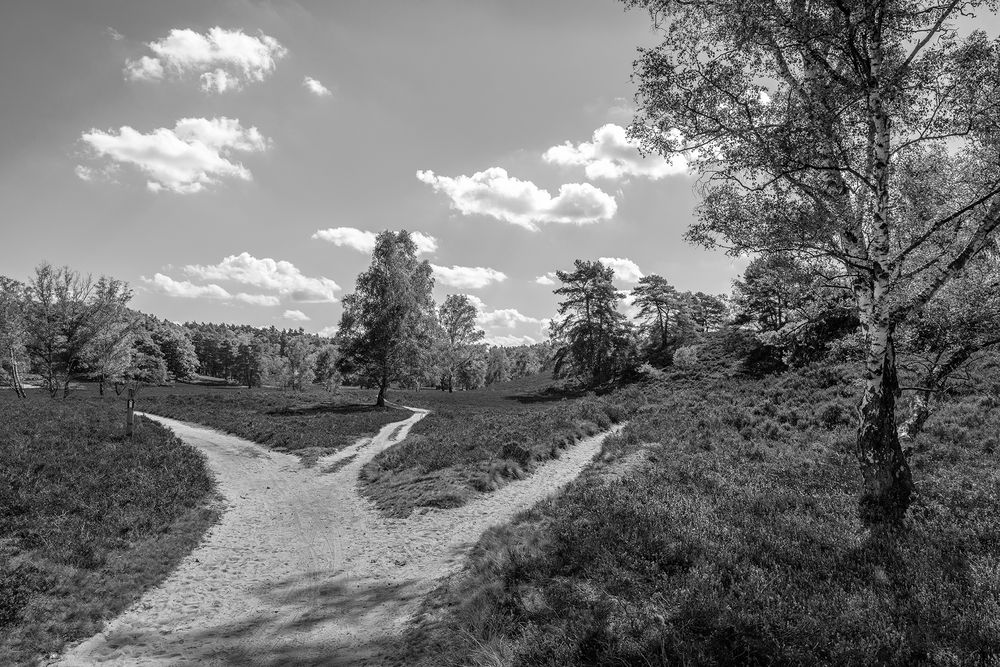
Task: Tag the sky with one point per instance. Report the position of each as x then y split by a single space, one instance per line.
232 160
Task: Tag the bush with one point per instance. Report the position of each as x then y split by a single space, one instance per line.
686 357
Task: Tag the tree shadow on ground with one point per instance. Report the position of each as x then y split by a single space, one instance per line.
282 634
323 408
550 395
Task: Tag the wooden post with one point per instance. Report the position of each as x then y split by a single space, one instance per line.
130 420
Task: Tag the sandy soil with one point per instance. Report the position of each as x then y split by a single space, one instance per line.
301 569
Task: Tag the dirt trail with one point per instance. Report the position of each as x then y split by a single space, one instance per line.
301 569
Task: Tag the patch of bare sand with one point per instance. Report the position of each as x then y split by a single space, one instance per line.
301 569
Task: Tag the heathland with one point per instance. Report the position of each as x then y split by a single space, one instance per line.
89 518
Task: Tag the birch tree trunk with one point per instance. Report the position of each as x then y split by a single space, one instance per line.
15 375
887 485
382 386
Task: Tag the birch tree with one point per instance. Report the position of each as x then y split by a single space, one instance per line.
457 317
12 331
863 131
956 327
387 323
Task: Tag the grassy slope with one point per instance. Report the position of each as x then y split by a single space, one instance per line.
721 528
310 424
474 442
88 519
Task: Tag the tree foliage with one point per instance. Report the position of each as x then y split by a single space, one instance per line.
389 320
457 316
593 338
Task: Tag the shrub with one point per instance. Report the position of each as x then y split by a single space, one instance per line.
686 357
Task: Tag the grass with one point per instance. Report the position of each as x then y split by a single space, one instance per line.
475 442
88 518
719 527
309 424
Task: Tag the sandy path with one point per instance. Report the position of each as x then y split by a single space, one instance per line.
301 569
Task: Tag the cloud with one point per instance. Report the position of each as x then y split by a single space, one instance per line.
315 87
363 241
84 173
508 318
219 81
494 193
258 299
612 154
477 302
467 277
328 332
296 315
625 269
114 34
185 289
194 154
223 59
144 69
266 273
547 279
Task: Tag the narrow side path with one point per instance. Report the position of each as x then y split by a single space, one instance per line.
301 569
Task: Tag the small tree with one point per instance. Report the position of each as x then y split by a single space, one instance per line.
12 330
147 367
326 367
664 316
301 363
795 307
387 323
472 375
66 315
457 317
960 323
497 365
593 338
177 349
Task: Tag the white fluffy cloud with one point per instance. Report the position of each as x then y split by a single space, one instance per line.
185 289
507 318
504 320
296 316
363 241
611 154
625 269
279 276
222 59
547 279
258 299
467 277
196 153
492 192
315 87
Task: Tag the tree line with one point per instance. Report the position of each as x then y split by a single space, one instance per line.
63 327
